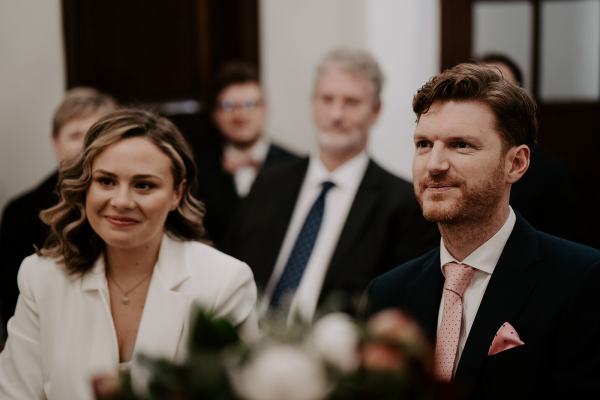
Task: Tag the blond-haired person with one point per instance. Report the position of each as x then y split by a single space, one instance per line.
22 230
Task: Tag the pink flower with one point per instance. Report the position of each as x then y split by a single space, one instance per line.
378 356
396 338
394 325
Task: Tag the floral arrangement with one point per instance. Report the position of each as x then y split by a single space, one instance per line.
387 357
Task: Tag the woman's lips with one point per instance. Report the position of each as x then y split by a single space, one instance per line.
121 221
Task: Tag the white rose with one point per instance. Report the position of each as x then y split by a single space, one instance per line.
336 338
282 372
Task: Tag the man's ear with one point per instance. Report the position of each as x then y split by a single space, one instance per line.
376 111
377 107
516 162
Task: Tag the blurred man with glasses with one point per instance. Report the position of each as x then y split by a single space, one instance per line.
229 165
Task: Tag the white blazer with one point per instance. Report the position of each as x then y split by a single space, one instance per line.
62 332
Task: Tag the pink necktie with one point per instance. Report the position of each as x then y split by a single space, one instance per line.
458 277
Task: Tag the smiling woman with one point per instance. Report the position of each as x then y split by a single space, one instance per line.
122 266
131 193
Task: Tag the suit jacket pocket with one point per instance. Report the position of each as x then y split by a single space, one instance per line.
506 375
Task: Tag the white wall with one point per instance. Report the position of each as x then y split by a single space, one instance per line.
32 84
294 36
492 34
402 34
570 54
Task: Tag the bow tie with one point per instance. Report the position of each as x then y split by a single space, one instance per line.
234 160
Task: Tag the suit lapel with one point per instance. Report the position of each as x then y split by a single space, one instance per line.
424 295
279 215
104 349
366 199
272 155
511 283
165 311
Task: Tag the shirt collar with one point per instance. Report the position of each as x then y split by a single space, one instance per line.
347 175
258 151
486 256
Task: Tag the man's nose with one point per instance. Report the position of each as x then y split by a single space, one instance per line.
336 110
438 159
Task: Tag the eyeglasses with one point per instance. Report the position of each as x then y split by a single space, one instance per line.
230 106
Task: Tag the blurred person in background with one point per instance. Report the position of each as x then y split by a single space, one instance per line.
21 229
327 224
546 195
230 164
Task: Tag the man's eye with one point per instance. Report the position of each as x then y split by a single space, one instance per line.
421 144
326 99
461 145
76 135
352 102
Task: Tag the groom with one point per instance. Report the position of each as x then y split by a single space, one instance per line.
513 311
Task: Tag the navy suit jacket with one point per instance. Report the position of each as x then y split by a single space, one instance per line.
384 227
217 188
547 288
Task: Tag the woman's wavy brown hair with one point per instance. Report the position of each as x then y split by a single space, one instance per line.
72 241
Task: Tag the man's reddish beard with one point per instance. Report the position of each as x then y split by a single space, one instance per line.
474 203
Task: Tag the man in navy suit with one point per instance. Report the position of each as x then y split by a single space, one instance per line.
512 311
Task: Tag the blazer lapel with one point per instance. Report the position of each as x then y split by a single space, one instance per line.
424 295
279 216
104 349
162 326
511 283
362 207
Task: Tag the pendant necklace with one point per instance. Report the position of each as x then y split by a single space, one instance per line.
125 293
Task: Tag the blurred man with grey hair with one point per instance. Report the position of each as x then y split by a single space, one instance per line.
327 224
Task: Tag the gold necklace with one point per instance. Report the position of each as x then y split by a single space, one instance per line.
125 299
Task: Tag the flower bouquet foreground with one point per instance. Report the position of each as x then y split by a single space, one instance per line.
387 357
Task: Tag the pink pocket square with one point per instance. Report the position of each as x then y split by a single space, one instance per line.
506 338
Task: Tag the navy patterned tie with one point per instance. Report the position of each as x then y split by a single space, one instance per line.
296 263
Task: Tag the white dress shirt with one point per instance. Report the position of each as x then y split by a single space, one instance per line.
339 199
484 260
245 175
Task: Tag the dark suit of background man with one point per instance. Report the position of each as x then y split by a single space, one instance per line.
237 153
546 195
371 220
538 293
21 227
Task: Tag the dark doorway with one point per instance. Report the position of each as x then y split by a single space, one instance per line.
159 54
570 128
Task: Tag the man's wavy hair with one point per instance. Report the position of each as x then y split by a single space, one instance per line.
72 241
514 110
